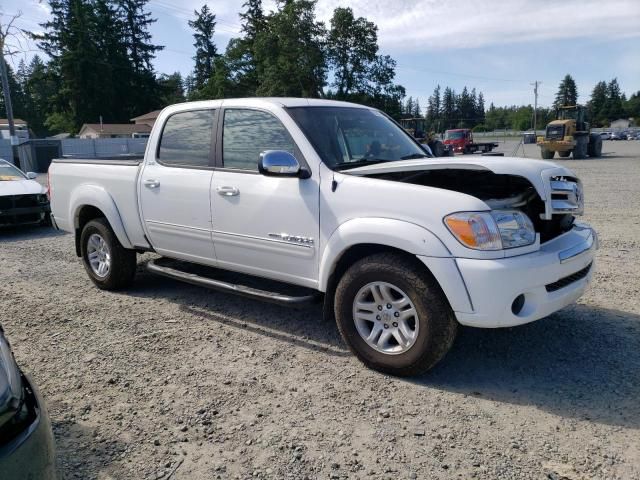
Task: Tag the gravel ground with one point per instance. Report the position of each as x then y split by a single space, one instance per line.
172 381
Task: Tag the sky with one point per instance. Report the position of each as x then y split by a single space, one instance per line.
497 46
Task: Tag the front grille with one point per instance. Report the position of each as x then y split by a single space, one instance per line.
566 195
555 132
568 280
22 209
25 201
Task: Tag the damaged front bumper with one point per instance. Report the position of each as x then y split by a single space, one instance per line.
512 291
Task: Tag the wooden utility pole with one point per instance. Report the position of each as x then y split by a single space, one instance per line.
535 107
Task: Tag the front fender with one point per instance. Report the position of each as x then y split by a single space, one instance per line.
399 234
98 197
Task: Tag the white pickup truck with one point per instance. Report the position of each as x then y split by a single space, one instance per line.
334 200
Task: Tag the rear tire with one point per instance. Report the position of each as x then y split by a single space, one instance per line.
109 265
414 316
565 154
547 154
580 150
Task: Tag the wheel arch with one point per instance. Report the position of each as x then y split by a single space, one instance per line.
371 235
360 238
90 202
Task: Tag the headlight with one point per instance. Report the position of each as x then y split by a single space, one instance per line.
491 230
10 381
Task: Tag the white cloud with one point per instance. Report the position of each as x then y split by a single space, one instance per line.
429 24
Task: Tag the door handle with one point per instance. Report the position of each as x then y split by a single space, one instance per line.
151 183
228 191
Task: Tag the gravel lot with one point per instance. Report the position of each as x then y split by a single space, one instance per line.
173 381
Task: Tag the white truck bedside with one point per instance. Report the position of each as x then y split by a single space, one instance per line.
334 200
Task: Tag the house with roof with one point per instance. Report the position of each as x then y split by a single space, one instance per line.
147 118
114 130
22 129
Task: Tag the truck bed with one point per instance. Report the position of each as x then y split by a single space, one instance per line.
112 179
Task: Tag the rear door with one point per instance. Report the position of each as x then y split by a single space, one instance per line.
174 190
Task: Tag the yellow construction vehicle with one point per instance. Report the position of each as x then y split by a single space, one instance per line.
570 133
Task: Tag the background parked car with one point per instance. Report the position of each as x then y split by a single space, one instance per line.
618 136
22 199
605 135
26 439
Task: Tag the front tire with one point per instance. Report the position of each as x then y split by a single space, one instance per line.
109 265
393 315
547 154
565 154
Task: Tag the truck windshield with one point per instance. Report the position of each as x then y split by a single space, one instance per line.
347 137
9 172
453 135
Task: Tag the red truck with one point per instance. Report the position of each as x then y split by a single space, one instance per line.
461 141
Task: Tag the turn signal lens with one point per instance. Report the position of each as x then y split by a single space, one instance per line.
477 230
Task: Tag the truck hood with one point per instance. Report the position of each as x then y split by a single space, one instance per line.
20 187
538 172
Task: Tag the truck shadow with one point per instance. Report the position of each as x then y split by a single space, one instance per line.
22 233
302 326
580 363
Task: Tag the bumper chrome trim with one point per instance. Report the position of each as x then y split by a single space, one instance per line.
580 248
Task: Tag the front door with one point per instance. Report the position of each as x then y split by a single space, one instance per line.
175 188
265 226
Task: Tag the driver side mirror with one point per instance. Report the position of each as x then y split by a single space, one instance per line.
279 163
32 175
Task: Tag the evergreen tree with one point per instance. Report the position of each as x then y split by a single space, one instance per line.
17 95
598 102
136 33
171 89
433 108
480 116
417 111
240 63
614 105
204 27
289 52
39 88
448 108
465 109
632 107
70 40
567 92
408 107
144 92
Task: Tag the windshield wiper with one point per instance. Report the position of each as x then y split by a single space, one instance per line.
413 156
358 163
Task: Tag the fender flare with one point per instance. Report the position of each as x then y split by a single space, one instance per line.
399 234
98 197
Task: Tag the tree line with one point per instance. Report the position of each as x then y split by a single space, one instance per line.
447 109
100 56
100 66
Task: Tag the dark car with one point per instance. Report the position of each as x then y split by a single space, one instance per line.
26 439
618 136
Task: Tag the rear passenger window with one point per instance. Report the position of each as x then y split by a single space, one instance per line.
247 133
186 139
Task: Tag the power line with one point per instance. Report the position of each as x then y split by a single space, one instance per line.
458 74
